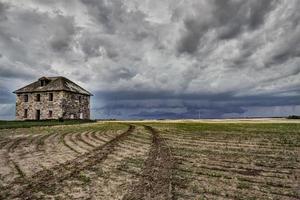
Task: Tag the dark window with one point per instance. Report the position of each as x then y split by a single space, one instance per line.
26 98
25 113
79 99
50 113
38 115
38 97
50 96
44 82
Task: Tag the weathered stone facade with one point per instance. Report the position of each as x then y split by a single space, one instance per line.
52 105
75 106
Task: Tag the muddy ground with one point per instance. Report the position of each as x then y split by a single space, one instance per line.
151 161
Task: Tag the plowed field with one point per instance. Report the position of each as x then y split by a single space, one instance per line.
151 161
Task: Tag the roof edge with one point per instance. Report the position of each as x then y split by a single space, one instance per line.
16 92
61 78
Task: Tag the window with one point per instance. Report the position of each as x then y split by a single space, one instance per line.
38 114
50 96
50 113
26 98
38 97
25 113
79 99
44 81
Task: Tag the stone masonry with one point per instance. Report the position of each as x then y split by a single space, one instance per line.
52 102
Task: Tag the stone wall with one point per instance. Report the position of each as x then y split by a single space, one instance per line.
65 104
44 105
75 106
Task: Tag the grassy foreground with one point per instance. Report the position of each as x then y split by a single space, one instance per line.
27 124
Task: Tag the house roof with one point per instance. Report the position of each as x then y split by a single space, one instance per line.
58 83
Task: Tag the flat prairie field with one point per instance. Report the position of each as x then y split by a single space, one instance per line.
164 160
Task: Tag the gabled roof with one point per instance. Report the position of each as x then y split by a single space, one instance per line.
58 83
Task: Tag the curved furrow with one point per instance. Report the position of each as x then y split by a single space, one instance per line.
78 144
4 142
47 144
101 136
82 138
156 180
41 141
92 141
68 142
51 142
111 179
97 140
48 181
18 152
14 144
105 136
77 140
10 170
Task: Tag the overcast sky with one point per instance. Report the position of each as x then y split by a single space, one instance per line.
157 58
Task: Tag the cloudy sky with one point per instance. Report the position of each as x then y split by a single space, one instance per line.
157 58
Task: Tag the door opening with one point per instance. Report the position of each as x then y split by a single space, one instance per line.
38 115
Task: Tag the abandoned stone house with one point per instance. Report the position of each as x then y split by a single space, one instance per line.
52 98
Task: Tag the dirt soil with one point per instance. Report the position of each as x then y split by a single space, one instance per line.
156 180
151 160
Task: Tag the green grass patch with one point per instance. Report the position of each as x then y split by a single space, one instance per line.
28 124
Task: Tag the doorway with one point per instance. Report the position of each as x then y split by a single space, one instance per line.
38 115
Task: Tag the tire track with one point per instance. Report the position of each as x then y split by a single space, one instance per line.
48 181
156 180
41 141
111 178
4 142
15 144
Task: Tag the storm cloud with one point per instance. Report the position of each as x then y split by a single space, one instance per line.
158 59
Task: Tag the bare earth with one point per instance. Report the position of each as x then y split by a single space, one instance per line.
186 159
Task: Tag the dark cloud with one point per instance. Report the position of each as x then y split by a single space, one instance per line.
155 105
6 97
227 18
289 48
3 8
63 34
13 73
104 12
94 46
164 59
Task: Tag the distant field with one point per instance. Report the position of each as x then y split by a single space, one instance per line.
152 160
